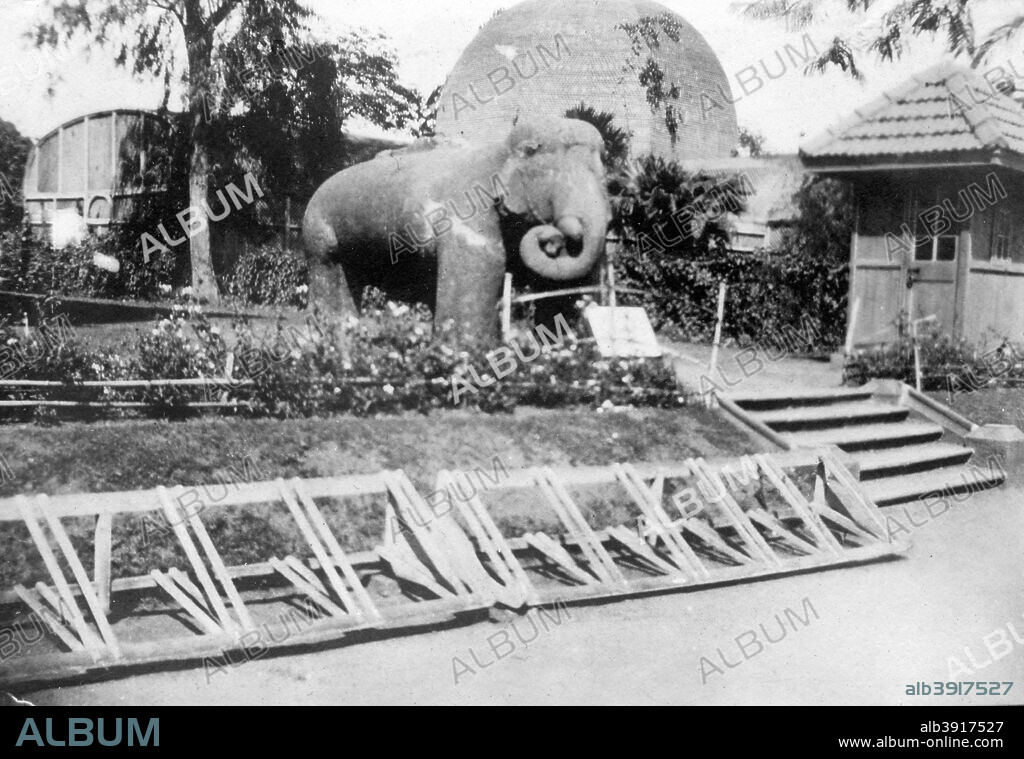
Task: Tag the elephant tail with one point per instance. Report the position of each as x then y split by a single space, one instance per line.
318 237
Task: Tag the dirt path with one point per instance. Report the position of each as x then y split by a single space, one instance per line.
872 631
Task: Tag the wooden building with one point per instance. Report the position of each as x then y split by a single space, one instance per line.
938 171
92 164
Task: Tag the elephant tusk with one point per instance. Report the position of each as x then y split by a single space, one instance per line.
571 227
551 242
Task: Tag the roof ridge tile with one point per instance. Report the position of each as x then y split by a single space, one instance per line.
992 123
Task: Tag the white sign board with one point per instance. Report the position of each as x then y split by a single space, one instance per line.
623 332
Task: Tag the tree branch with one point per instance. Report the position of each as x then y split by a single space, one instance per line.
171 9
222 13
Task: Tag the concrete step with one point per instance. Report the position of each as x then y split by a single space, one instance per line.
946 481
799 398
858 437
832 415
909 459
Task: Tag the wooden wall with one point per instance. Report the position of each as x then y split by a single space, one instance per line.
876 281
973 297
88 164
994 308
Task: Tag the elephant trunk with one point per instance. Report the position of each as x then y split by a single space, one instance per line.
567 250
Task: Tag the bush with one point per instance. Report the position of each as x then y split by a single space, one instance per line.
267 275
803 286
765 297
946 364
14 150
34 266
387 362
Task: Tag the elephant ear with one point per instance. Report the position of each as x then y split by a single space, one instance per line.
524 142
513 180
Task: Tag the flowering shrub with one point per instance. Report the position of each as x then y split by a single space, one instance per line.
946 364
385 362
267 275
34 266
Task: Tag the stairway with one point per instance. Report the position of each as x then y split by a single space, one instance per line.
901 457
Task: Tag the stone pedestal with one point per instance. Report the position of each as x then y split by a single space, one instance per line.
885 388
1001 441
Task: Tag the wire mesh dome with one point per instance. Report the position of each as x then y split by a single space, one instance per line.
636 60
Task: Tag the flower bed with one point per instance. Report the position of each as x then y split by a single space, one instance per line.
385 362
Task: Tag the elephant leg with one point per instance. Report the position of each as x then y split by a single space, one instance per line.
470 271
335 289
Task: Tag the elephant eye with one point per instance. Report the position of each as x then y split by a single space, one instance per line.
531 148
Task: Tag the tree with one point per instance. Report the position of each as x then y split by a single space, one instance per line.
148 33
227 70
909 18
14 148
426 114
750 142
824 220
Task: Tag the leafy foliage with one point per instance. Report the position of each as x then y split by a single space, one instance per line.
825 220
750 143
14 148
952 19
674 234
680 266
31 265
947 364
426 114
385 362
616 141
267 275
260 95
646 32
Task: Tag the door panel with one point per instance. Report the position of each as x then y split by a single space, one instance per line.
935 292
881 288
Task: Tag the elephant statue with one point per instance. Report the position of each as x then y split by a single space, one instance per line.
442 222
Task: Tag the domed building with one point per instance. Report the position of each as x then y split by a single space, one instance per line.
632 58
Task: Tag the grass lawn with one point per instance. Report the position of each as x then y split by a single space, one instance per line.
129 455
996 406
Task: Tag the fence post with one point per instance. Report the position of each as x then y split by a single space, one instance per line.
101 575
913 332
506 309
229 375
612 241
287 223
709 401
851 327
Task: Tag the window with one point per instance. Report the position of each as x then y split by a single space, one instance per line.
942 247
1002 235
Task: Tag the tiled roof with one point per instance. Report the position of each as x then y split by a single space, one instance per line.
945 109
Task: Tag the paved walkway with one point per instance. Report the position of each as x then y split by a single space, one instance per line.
750 370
